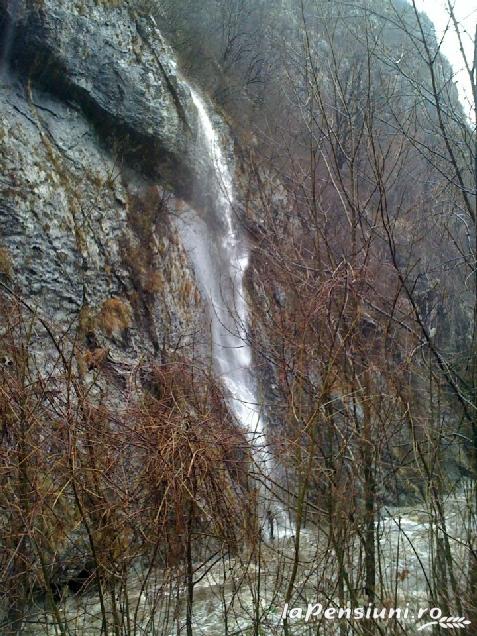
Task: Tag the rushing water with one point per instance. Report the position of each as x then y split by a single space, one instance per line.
219 255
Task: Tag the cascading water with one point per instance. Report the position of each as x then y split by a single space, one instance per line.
220 258
7 36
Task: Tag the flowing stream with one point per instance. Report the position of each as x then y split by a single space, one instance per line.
219 255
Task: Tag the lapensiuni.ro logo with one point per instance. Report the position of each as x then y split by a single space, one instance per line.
424 617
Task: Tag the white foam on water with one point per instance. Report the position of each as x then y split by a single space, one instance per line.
220 258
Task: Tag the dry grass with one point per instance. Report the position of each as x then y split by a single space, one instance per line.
5 263
115 316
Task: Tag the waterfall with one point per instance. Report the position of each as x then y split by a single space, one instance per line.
219 255
8 36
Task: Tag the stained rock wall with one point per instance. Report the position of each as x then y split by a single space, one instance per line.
95 145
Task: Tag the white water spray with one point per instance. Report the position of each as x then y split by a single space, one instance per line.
220 258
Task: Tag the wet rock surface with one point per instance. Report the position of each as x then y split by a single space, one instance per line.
96 136
114 64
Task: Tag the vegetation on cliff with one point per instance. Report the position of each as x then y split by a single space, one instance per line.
125 480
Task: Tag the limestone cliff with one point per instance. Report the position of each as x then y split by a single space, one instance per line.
96 135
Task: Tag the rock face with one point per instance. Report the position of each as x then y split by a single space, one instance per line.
115 65
92 118
97 152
